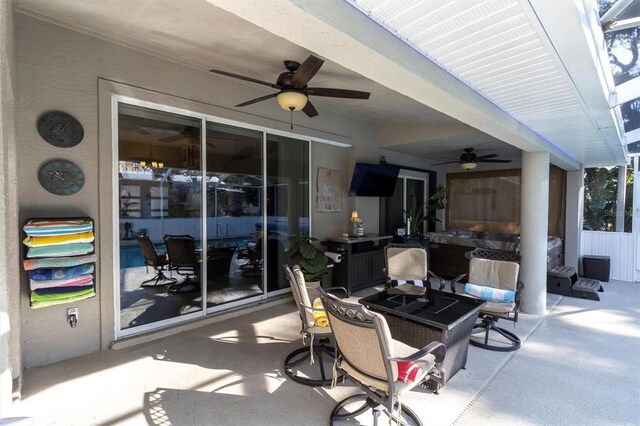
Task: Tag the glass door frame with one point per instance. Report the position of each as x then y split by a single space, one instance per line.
204 118
425 179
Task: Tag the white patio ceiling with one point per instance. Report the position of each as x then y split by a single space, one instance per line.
520 71
498 48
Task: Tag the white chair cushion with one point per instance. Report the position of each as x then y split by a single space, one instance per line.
494 273
498 307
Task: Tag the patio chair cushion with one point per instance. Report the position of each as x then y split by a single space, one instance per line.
498 307
490 294
402 350
494 273
408 263
302 286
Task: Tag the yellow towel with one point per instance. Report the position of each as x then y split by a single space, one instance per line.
84 237
320 317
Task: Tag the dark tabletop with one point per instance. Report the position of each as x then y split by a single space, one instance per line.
437 308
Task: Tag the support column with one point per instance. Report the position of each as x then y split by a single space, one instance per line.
533 231
574 201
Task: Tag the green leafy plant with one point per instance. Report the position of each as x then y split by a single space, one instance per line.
303 253
421 213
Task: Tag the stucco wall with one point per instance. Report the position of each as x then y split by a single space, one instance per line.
70 71
10 352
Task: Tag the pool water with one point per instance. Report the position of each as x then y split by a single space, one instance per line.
131 255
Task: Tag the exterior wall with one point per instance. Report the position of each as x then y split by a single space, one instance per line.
10 346
70 71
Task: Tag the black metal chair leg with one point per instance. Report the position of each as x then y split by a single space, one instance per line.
339 412
487 326
300 355
159 278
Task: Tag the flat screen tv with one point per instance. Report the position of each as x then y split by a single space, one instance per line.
373 180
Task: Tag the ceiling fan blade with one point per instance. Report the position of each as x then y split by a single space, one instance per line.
242 77
310 110
307 70
485 157
173 138
337 93
446 162
494 161
256 100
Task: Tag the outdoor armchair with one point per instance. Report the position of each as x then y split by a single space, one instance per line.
320 350
183 259
158 261
408 263
494 269
385 369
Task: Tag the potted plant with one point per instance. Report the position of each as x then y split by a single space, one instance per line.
311 260
417 214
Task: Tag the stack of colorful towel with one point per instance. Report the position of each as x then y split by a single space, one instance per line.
60 261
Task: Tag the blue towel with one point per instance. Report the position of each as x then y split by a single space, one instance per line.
490 294
62 290
60 273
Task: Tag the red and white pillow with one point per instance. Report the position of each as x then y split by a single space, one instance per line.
408 371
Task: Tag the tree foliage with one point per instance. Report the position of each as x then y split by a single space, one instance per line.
600 198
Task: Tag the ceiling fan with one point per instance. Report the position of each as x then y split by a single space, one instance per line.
469 160
293 92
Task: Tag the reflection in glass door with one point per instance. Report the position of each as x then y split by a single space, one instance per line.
287 202
409 196
255 190
235 201
160 216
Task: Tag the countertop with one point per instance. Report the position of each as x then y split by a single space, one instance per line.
488 240
354 240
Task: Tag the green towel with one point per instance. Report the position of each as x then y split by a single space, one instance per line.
35 297
40 303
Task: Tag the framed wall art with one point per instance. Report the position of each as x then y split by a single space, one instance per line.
329 187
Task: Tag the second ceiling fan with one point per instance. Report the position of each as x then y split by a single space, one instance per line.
469 159
293 92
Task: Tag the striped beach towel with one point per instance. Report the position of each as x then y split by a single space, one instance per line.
57 227
489 293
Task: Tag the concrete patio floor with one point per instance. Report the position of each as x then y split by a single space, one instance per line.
578 365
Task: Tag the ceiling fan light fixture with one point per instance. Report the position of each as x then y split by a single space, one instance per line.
291 100
468 165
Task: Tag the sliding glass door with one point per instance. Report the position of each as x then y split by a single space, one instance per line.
287 202
235 202
409 196
160 215
206 207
